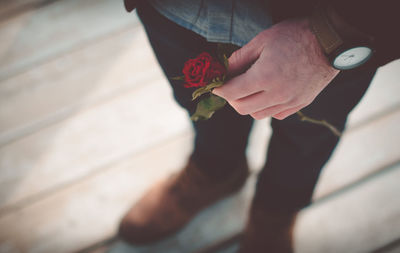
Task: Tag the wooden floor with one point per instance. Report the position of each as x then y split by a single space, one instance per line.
77 147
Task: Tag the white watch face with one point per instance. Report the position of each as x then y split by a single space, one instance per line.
352 58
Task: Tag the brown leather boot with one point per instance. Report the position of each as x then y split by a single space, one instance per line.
173 202
268 232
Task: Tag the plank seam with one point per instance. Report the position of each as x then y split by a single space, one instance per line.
362 180
389 110
99 169
67 112
388 247
81 45
27 7
103 243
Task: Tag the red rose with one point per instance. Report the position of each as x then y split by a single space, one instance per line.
202 70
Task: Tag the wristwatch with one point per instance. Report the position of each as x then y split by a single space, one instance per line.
345 47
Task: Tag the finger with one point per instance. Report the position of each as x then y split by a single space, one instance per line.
244 57
287 113
254 103
239 87
268 112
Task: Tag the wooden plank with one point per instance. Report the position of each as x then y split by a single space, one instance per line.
360 153
38 35
381 96
232 249
101 246
55 90
229 244
15 7
394 250
89 140
392 247
258 143
88 211
363 219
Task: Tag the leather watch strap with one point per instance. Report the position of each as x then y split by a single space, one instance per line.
321 26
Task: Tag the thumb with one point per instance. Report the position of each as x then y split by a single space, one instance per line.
244 57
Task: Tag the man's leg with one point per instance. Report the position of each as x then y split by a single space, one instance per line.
217 166
296 154
221 141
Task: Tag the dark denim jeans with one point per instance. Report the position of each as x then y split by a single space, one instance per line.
297 150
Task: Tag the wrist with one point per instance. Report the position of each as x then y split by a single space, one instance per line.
316 48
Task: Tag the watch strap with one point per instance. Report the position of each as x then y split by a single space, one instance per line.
323 29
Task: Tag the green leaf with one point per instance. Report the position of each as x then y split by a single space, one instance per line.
178 78
226 62
206 107
200 91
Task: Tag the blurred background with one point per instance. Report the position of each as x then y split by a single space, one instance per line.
88 123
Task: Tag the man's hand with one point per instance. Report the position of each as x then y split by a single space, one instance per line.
277 73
